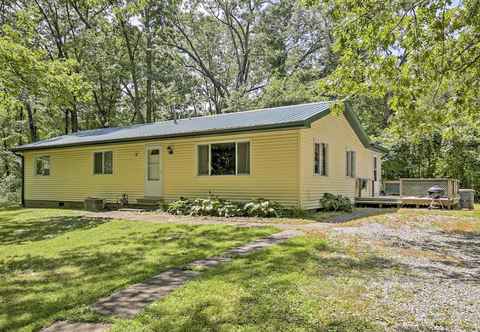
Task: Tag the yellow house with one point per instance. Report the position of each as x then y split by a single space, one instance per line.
291 154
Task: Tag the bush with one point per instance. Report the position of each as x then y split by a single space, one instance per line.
262 208
217 207
330 202
181 206
10 191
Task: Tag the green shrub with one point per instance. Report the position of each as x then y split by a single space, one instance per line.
214 206
181 206
330 202
262 208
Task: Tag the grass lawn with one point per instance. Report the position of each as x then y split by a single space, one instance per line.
54 263
310 283
305 284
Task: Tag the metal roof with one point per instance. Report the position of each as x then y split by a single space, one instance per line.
267 118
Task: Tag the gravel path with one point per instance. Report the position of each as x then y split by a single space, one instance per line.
438 286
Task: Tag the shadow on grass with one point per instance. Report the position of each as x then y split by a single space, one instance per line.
14 232
37 288
283 288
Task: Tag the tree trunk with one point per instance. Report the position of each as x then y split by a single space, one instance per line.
148 61
67 122
74 117
31 123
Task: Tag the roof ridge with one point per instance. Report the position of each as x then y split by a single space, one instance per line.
262 118
199 117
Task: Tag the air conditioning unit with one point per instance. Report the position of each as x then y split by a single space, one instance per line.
94 204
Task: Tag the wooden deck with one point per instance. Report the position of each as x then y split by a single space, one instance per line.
400 201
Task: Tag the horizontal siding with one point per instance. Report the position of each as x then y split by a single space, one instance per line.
274 171
340 137
72 177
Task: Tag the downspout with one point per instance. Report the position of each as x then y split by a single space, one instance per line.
23 176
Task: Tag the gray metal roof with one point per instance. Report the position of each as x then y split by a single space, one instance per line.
268 118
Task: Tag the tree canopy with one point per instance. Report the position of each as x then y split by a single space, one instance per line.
409 67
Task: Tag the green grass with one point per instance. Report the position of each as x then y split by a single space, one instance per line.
55 263
305 284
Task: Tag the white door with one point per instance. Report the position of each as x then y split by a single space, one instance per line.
153 171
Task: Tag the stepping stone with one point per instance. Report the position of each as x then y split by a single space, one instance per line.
63 326
207 263
262 243
130 301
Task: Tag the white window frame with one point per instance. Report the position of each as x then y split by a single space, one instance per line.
322 171
36 158
210 158
103 163
352 172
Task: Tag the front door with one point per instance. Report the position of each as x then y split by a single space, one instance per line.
153 171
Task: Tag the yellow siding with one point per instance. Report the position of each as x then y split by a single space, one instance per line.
274 171
340 137
72 177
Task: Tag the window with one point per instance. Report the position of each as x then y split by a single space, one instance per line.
224 159
153 172
42 165
203 166
243 160
351 163
103 162
375 169
320 159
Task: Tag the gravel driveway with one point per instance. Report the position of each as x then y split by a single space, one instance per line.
436 283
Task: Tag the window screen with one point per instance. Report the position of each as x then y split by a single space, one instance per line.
320 159
108 162
351 164
42 166
203 159
103 162
243 156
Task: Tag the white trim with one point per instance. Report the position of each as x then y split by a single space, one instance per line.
103 162
35 158
209 144
160 181
317 140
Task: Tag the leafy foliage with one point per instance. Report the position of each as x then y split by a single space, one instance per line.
330 202
217 207
411 69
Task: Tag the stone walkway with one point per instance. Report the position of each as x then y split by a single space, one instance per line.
128 302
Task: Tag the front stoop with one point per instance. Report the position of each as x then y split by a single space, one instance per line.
148 203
